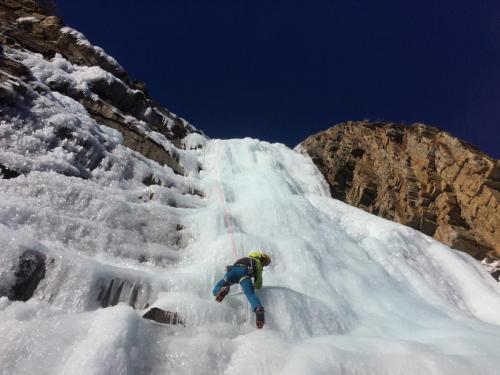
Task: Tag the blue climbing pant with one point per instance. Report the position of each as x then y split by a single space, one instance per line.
239 275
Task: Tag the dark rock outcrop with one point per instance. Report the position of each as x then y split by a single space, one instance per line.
415 175
29 272
162 316
7 173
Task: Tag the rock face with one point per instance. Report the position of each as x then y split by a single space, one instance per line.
415 175
107 93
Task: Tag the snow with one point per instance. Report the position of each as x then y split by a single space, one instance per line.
60 72
347 292
194 141
29 19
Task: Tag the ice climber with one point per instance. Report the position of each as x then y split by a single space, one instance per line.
242 272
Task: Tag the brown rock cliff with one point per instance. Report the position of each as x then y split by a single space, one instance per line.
415 175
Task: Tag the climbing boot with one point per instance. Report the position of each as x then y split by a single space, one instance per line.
259 317
222 293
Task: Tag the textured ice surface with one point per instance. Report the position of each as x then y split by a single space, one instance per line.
347 292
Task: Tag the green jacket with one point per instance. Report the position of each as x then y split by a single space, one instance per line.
257 270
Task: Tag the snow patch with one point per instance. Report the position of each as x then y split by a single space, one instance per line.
29 19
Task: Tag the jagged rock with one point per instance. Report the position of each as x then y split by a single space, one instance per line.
492 265
162 316
496 275
13 67
133 139
7 173
415 175
29 272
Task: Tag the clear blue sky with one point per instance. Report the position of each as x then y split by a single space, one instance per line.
282 70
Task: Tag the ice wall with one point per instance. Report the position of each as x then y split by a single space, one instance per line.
347 292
